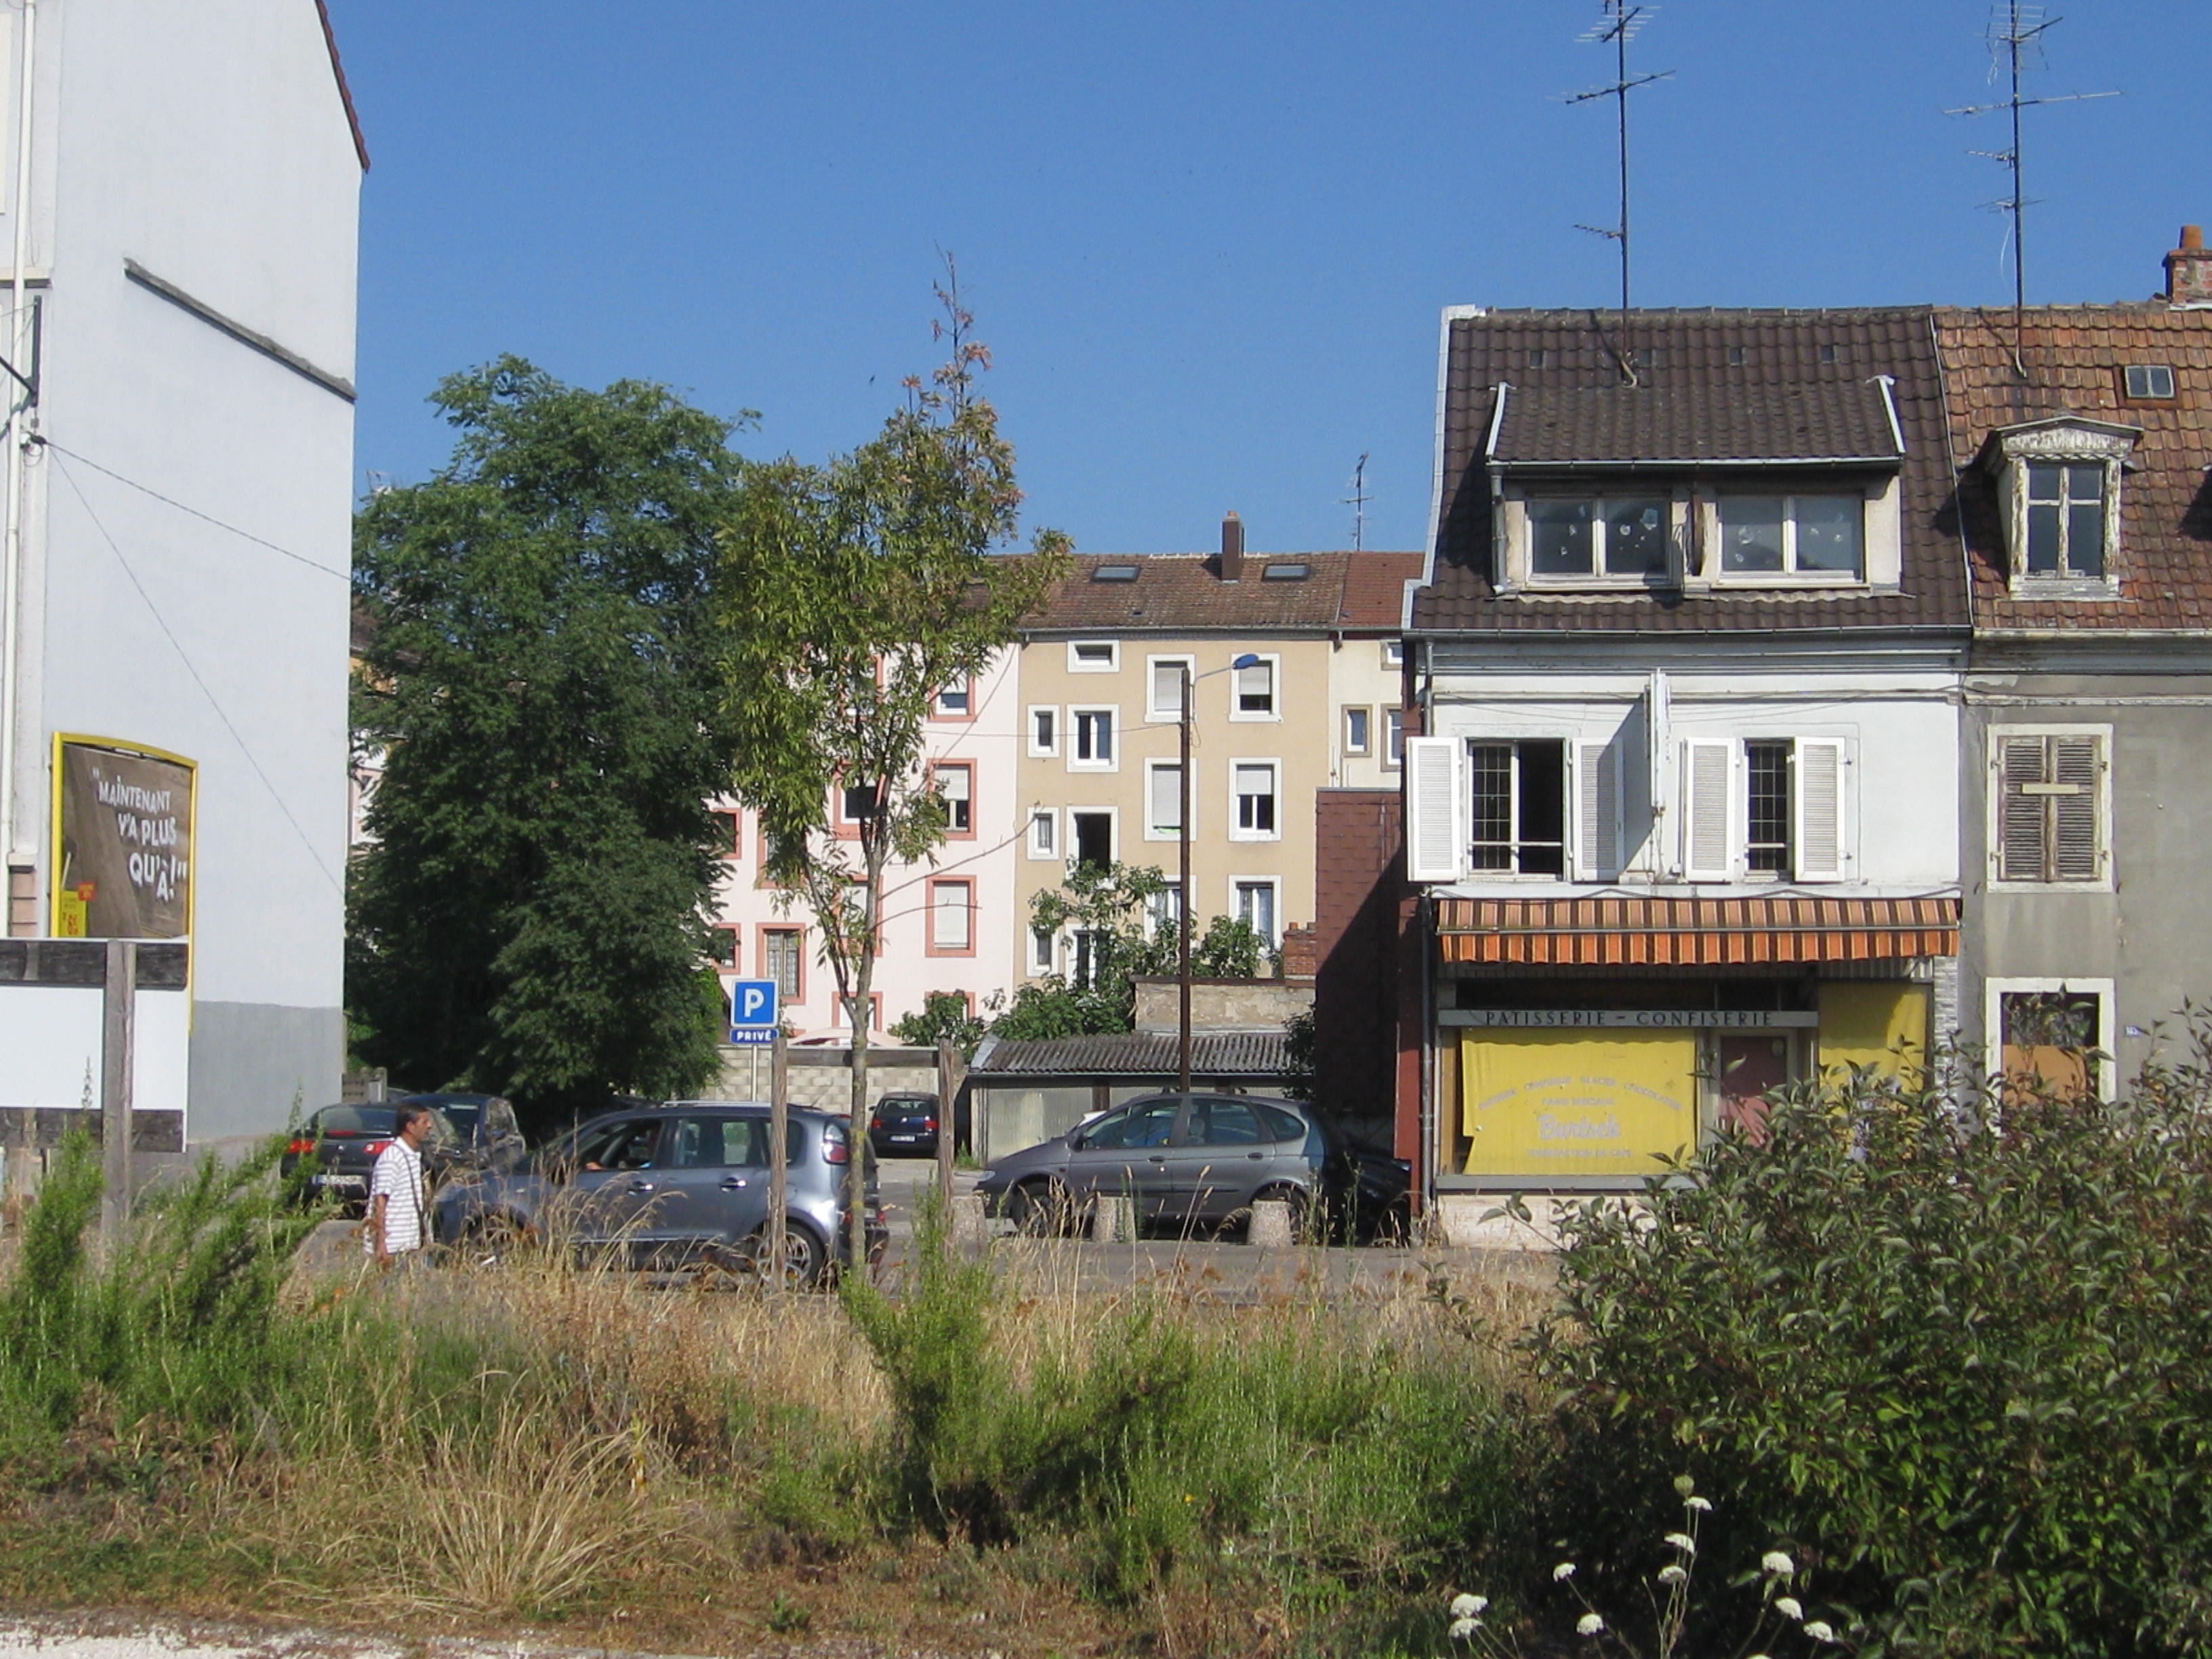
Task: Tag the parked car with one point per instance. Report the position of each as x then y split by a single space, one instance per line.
671 1186
1196 1159
905 1123
344 1142
485 1132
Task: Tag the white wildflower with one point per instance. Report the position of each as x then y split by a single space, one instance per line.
1683 1541
1563 1571
1466 1607
1701 1504
1818 1629
1776 1562
1463 1628
1589 1624
1789 1607
1671 1574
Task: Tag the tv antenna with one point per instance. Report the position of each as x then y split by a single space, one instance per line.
1619 24
2015 37
1357 500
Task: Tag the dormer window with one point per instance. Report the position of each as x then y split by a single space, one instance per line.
1793 535
1611 536
2058 486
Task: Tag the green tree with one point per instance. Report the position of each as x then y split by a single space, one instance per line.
854 593
944 1017
542 683
1111 912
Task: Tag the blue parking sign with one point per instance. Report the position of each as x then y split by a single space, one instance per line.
752 1010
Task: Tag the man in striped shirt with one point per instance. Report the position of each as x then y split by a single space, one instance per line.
395 1221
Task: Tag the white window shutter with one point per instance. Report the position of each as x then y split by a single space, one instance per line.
1819 810
1436 839
1597 797
1707 843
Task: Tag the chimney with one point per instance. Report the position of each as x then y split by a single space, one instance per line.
2189 270
1232 549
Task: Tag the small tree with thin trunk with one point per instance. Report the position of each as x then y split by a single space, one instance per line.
851 594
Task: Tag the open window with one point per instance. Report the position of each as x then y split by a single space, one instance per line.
1518 805
1255 788
1764 809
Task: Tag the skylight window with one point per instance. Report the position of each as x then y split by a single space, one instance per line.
2149 380
1115 573
1287 572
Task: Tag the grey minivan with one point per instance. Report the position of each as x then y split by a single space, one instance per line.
674 1186
1183 1159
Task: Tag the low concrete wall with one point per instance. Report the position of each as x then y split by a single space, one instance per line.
822 1078
1222 1004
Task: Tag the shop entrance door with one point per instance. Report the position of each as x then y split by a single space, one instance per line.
1750 1064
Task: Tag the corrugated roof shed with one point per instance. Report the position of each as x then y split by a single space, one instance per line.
2075 356
1243 1054
1812 369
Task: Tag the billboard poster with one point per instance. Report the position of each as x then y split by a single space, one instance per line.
1564 1103
122 865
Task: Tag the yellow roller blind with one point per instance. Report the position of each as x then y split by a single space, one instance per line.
1565 1104
1879 1023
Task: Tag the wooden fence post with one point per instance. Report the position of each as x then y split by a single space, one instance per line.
118 1040
779 1132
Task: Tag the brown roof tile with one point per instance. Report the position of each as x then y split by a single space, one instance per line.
2074 357
1733 363
1181 592
1700 422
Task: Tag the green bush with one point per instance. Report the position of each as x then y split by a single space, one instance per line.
1959 1356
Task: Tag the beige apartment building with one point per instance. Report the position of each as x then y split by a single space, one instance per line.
1100 668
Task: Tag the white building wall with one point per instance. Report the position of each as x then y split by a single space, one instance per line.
1361 675
909 969
208 144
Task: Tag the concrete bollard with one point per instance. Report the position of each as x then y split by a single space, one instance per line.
1270 1225
1113 1222
970 1224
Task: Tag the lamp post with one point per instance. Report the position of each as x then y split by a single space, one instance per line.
1246 659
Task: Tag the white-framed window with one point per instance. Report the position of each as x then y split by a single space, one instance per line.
1044 832
783 959
1393 738
2050 794
956 701
1393 653
1760 538
857 803
1094 656
1255 691
955 787
1164 686
1518 807
952 917
1764 809
1256 800
2059 1030
1090 739
1043 727
2148 382
1041 944
2059 486
1092 835
1626 536
1358 729
1164 801
1258 901
1164 908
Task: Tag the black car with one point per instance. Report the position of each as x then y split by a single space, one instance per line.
485 1134
1185 1159
904 1124
344 1142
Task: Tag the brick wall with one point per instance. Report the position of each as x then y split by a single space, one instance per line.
1357 888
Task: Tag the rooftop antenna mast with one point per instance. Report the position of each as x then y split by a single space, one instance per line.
2015 35
1619 25
1357 500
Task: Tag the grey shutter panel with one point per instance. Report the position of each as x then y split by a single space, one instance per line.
1820 809
1705 838
1597 786
2076 849
1434 841
2019 812
1167 797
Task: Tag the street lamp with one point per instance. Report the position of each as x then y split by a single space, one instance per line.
1246 659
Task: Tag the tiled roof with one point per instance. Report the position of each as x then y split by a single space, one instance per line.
1682 933
345 92
1702 422
1138 1053
1374 589
2074 357
1825 361
1172 592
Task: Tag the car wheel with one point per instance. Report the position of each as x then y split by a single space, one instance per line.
1040 1209
803 1258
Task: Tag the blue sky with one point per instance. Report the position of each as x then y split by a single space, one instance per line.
1207 242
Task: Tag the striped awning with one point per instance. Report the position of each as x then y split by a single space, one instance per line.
1694 931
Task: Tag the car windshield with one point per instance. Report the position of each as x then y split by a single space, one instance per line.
355 1120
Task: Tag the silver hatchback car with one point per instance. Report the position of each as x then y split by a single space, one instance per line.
674 1186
